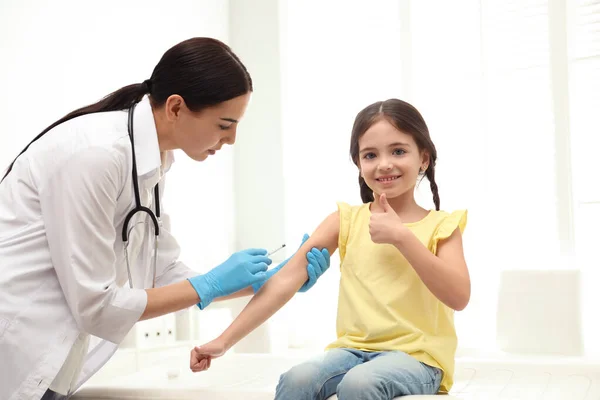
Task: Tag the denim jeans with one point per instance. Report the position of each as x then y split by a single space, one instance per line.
50 395
358 375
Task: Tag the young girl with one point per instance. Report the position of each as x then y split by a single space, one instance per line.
403 274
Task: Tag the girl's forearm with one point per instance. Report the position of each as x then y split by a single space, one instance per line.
444 281
283 285
270 298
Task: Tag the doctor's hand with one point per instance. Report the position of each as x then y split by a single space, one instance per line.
201 357
241 270
318 262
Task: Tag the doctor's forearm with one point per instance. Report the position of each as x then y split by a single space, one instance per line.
168 299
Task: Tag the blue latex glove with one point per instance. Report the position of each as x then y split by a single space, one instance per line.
318 263
242 269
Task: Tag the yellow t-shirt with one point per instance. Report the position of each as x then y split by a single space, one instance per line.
383 304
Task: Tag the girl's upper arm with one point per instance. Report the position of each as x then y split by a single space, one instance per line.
325 236
450 250
328 232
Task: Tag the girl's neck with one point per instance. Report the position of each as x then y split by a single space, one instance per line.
404 205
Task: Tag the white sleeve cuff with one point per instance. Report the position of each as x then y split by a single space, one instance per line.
125 309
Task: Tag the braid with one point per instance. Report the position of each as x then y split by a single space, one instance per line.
366 194
430 173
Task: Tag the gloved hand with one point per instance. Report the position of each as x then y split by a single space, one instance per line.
318 262
242 269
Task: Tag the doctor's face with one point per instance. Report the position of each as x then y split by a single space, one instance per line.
201 134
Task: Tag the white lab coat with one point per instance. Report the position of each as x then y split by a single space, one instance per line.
62 267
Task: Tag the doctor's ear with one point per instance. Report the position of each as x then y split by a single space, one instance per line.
173 107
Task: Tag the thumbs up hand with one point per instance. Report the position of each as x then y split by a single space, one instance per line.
385 226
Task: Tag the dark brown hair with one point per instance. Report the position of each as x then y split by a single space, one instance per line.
204 71
405 118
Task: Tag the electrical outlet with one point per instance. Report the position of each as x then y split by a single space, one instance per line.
169 328
155 332
144 331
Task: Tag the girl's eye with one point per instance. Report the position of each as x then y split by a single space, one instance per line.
224 127
369 156
399 152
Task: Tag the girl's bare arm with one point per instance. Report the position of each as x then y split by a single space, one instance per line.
283 285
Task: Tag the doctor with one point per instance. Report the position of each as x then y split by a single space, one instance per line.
85 247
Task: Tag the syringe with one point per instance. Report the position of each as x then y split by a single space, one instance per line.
276 250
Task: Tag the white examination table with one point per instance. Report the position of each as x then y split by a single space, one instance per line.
254 376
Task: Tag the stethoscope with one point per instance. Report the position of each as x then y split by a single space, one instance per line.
155 217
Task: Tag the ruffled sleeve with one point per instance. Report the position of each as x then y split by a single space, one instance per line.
345 212
457 219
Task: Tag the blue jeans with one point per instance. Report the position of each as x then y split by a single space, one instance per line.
358 375
50 395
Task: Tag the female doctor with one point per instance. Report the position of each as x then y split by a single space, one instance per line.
85 247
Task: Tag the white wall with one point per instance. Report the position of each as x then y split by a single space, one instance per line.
258 173
254 36
348 59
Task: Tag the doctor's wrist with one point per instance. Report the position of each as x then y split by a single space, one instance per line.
203 288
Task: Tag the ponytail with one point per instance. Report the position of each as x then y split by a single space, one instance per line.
119 100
